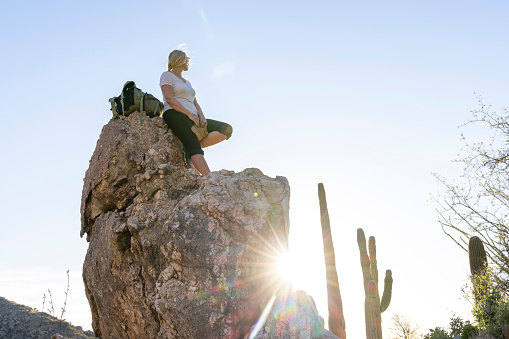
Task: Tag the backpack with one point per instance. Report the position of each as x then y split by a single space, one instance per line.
134 99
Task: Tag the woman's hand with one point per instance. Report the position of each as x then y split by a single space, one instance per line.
203 121
195 119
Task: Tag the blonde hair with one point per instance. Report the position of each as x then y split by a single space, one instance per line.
177 58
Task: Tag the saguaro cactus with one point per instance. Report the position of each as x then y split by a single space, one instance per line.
336 317
373 306
372 312
478 268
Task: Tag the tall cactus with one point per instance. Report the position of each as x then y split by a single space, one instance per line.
373 306
336 317
372 312
478 268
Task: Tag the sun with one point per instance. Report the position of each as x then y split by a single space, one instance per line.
287 268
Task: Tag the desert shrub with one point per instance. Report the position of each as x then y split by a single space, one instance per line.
456 324
492 312
457 327
437 333
469 331
462 328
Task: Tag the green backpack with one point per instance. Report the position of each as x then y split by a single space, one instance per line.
134 99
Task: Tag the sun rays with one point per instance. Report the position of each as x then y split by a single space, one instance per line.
287 267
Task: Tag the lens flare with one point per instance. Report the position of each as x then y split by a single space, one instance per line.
286 267
261 321
285 309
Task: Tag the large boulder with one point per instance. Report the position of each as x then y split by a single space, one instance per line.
173 254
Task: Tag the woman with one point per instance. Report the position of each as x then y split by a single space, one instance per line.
181 112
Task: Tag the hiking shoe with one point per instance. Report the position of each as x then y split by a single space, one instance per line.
187 159
189 163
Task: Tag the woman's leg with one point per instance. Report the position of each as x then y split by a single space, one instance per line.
180 124
200 164
212 138
218 131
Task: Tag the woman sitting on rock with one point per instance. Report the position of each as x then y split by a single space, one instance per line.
182 112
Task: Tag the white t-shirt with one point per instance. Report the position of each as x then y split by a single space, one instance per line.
182 91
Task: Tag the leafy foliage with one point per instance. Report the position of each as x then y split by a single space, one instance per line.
437 333
469 331
492 313
457 327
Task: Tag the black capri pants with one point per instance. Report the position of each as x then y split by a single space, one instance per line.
181 125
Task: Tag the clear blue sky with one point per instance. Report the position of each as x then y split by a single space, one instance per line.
363 96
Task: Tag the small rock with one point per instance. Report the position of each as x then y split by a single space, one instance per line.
122 228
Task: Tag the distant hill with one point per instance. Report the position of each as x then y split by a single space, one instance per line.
23 322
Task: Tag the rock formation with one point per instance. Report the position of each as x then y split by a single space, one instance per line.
294 315
173 254
125 148
23 322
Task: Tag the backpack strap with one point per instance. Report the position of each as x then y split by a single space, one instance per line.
122 102
142 104
113 108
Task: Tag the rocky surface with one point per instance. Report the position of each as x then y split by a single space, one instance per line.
173 254
22 322
293 316
126 147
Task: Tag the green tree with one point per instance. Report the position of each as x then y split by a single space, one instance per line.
477 203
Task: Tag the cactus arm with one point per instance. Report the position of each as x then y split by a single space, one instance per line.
365 264
373 269
336 317
476 255
386 297
478 268
372 260
372 312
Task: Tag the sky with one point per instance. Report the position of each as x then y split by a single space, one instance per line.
365 97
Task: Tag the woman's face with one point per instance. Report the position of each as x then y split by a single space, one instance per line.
186 65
